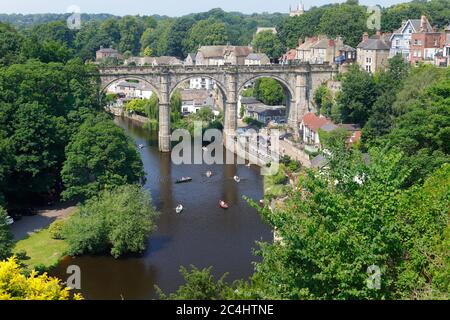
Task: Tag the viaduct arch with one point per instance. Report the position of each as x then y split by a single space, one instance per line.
299 80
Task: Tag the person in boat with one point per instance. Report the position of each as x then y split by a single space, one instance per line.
223 204
208 174
179 208
237 179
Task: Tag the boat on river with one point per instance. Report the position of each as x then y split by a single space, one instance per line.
141 146
184 180
179 208
237 179
223 204
209 174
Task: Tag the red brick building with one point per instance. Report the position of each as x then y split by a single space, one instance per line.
425 44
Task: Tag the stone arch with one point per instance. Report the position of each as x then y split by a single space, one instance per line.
220 85
282 81
108 82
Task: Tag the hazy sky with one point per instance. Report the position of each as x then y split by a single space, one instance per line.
162 7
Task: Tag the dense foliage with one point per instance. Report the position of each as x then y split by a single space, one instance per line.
118 221
41 106
99 156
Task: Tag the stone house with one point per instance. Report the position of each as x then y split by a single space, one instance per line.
373 53
153 61
105 53
222 55
257 59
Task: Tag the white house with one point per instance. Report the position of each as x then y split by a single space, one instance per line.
202 83
257 59
131 90
401 38
194 100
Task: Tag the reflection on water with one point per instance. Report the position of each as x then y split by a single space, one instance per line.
204 235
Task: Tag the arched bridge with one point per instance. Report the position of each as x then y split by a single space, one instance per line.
299 82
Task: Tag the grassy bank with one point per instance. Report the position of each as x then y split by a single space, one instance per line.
42 251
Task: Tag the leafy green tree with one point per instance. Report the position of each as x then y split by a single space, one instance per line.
119 220
348 20
204 33
267 42
6 238
130 34
100 156
324 100
269 91
199 285
357 96
178 32
10 45
423 132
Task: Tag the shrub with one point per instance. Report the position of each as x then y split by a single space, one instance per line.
117 220
56 230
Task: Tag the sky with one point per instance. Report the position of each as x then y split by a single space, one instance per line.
163 7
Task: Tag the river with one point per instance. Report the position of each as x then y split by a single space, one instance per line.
204 235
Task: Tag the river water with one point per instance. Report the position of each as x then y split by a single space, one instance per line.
204 235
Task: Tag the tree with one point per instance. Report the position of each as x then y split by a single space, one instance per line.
10 45
15 285
269 91
6 238
199 285
176 36
118 220
323 100
130 34
267 42
205 33
357 96
348 20
100 156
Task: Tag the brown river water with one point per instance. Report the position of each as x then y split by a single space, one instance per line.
203 235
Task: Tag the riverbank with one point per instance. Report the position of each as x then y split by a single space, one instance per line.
35 245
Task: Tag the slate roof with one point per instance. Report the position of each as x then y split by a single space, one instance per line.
257 56
220 51
373 44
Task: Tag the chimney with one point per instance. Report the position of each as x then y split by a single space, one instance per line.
365 36
423 23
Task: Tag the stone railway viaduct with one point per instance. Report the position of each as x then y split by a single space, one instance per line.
299 82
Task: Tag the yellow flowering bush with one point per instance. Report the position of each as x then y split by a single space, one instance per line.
14 285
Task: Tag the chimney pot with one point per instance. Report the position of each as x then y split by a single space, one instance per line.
365 36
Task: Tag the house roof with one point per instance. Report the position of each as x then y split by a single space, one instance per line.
323 44
328 127
220 51
267 110
314 122
107 50
415 24
167 60
319 161
290 55
249 100
307 44
200 97
373 44
257 56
